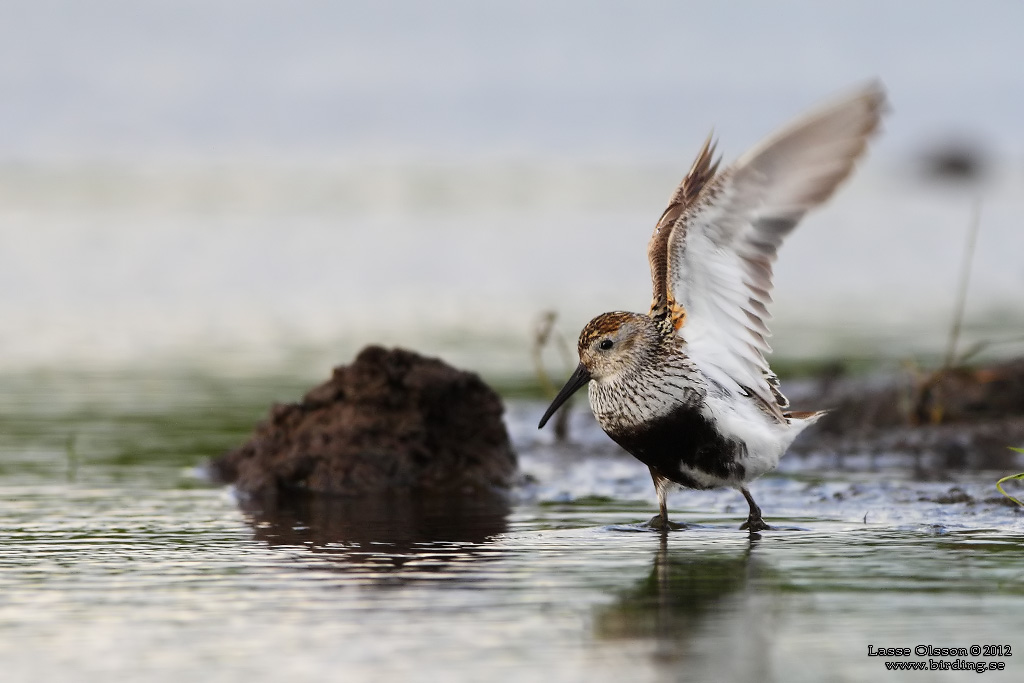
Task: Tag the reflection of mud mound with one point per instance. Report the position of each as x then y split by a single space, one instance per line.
384 531
390 420
963 418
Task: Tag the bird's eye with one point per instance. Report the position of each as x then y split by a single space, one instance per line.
605 344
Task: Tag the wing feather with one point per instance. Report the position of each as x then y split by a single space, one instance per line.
715 258
703 170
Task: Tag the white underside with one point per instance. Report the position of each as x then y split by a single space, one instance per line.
765 439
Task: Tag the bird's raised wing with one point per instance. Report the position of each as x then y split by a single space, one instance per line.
712 251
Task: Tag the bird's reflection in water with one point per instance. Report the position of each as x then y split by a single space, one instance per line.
396 534
699 610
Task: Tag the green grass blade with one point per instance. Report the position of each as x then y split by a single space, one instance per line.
999 484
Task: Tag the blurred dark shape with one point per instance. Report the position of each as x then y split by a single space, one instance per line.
955 160
391 421
956 418
383 532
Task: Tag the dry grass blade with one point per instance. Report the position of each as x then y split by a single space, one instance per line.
961 290
546 333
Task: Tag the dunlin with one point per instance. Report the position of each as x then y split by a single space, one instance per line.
686 388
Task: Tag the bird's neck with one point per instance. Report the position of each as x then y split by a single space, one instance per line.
645 392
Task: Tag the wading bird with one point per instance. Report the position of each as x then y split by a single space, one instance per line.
686 388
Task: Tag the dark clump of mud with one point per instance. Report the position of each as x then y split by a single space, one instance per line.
391 421
957 495
960 418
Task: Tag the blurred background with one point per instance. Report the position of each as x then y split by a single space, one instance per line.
269 186
206 204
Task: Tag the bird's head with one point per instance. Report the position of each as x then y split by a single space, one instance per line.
611 345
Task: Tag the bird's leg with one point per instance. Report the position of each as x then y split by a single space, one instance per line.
661 520
754 521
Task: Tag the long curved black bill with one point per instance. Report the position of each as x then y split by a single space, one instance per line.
580 377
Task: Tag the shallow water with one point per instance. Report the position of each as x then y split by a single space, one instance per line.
117 561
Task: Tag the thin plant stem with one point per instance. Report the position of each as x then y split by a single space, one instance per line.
961 290
546 332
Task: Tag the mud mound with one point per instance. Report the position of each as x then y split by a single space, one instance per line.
391 420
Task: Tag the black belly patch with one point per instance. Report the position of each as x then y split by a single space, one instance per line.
684 437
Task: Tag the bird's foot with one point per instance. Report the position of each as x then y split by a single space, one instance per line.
754 524
661 524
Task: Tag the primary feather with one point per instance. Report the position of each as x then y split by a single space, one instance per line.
713 248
